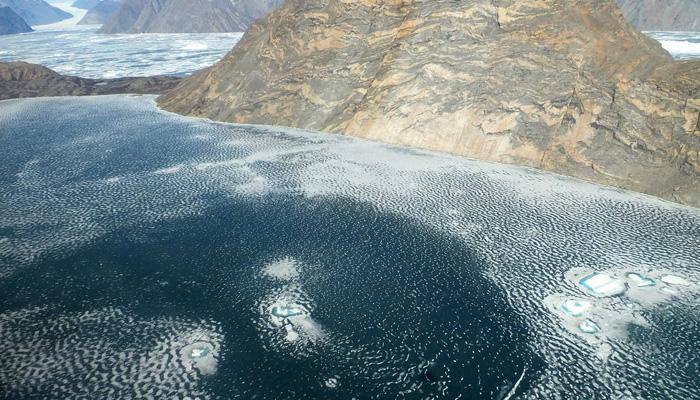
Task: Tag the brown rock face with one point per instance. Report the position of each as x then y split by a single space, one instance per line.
20 79
562 85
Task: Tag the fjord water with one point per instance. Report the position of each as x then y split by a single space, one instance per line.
148 254
81 51
681 45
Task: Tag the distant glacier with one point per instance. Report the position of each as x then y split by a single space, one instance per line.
81 51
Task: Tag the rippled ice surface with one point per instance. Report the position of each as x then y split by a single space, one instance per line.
81 51
681 45
148 254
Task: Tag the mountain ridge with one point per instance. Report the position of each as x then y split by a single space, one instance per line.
187 16
562 85
11 22
101 12
36 12
662 15
20 79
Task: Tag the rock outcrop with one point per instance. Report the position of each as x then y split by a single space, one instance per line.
662 15
36 12
20 79
562 85
11 23
151 16
101 12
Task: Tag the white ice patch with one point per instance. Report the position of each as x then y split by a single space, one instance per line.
617 299
286 313
200 355
681 45
286 269
137 357
682 49
86 53
598 284
575 307
169 170
637 280
589 327
675 280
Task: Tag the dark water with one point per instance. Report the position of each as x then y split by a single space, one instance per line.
404 309
127 236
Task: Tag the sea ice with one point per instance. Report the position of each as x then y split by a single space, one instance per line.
332 383
603 285
286 269
575 308
200 355
640 281
674 280
589 327
292 335
199 352
286 312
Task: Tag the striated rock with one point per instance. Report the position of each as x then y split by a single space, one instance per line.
11 23
563 85
151 16
662 15
36 12
20 79
101 12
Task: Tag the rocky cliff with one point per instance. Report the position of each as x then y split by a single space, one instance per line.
20 79
101 12
662 15
11 23
36 12
137 16
562 85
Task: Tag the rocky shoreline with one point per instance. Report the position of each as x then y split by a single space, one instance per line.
565 86
21 79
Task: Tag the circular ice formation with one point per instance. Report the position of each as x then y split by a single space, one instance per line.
575 308
199 355
199 352
589 327
674 280
332 383
286 311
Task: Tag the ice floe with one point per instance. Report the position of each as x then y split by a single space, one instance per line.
199 355
616 300
287 310
332 382
675 280
597 283
637 280
589 327
575 307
